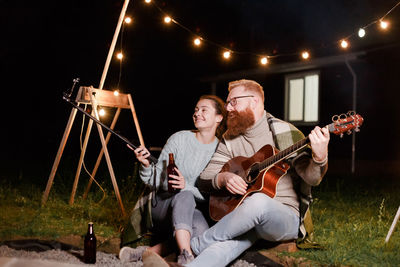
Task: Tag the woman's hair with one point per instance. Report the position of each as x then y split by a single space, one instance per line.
219 106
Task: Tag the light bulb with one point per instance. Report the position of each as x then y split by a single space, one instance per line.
384 24
264 60
116 93
128 20
147 1
227 54
197 41
305 55
102 112
167 19
120 56
344 44
361 33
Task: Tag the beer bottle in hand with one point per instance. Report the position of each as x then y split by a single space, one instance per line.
171 170
89 251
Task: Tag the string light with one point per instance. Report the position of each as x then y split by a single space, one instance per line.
361 33
305 55
128 20
264 60
167 19
344 44
197 41
116 92
227 54
384 24
102 112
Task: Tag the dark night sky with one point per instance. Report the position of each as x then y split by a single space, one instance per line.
45 44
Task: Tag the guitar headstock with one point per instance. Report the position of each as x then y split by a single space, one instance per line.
345 123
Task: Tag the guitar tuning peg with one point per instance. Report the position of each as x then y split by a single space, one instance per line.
351 113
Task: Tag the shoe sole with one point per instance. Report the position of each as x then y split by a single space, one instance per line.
121 252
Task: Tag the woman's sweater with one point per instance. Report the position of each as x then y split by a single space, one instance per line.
191 157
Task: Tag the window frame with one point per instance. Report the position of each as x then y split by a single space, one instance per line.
301 75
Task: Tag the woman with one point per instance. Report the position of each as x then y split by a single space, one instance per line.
192 151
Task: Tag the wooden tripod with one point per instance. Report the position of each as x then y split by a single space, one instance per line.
94 97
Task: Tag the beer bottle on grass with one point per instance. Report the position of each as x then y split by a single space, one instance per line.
89 251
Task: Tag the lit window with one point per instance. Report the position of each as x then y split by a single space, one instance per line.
302 98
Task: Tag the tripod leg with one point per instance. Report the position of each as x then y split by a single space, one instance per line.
58 157
101 155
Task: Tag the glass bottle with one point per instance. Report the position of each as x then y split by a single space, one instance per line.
89 251
171 170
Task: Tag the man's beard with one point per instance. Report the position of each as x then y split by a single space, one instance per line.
238 122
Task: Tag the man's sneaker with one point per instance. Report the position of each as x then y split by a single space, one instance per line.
185 257
127 254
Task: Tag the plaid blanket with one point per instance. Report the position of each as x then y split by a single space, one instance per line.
140 221
285 135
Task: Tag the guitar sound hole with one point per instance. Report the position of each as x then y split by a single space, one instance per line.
251 177
250 184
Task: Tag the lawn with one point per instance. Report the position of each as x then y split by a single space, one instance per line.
351 216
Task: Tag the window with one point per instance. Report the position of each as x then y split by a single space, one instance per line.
301 98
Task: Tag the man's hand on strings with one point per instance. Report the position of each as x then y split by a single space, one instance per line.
319 139
233 183
141 154
177 181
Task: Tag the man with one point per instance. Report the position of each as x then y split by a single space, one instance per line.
249 128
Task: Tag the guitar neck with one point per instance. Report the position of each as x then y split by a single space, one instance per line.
284 153
289 151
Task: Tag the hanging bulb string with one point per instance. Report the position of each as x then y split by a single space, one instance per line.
175 21
390 11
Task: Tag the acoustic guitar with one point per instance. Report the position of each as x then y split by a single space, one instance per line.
263 170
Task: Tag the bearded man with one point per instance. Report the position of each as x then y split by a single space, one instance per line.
278 218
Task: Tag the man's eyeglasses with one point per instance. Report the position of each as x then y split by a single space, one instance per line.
233 100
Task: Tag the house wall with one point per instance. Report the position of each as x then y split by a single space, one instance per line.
377 145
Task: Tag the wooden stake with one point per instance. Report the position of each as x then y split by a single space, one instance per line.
396 219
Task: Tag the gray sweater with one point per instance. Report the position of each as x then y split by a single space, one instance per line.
191 157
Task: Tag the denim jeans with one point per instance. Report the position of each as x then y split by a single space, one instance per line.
259 216
179 212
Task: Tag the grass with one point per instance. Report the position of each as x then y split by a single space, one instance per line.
352 219
351 216
22 214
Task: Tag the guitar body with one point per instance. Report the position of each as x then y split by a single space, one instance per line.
264 181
